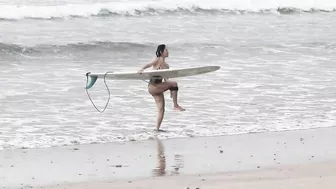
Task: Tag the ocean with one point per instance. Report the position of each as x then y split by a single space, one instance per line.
277 73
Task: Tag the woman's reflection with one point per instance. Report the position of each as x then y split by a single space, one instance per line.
160 169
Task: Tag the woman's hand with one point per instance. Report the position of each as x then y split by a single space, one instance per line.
140 71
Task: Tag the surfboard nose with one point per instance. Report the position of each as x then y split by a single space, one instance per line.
211 68
214 68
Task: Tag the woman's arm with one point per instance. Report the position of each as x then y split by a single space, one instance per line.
148 65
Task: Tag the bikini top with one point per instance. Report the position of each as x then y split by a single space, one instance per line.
157 76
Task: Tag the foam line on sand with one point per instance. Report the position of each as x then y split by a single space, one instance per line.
290 159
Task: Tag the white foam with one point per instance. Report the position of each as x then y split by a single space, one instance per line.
122 7
11 92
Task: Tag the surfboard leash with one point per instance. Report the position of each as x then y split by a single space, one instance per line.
108 90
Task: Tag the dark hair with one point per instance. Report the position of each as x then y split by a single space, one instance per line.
160 50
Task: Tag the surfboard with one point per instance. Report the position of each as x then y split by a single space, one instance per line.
147 74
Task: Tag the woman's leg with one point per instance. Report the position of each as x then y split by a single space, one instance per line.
160 103
173 94
164 86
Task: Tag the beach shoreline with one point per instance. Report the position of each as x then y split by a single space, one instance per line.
221 160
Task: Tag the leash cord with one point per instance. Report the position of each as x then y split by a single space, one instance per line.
108 90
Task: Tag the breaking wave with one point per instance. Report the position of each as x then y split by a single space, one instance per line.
90 46
159 7
109 46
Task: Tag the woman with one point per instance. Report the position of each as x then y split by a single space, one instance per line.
157 86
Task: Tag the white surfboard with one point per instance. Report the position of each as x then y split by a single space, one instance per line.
147 74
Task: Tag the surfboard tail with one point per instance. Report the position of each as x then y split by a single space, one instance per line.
91 80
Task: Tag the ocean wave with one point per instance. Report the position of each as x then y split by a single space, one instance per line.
111 46
89 46
14 48
141 8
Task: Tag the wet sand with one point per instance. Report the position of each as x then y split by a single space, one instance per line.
290 159
300 176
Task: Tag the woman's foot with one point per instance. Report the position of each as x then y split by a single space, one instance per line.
179 108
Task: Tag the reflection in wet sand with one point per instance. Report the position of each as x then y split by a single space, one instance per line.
179 163
160 169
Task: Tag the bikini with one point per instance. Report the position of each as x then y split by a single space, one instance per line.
155 79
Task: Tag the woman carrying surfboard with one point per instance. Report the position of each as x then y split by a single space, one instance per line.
158 85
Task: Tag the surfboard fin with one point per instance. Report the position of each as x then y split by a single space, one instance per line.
91 81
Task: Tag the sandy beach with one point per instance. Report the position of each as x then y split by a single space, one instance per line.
289 159
300 176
